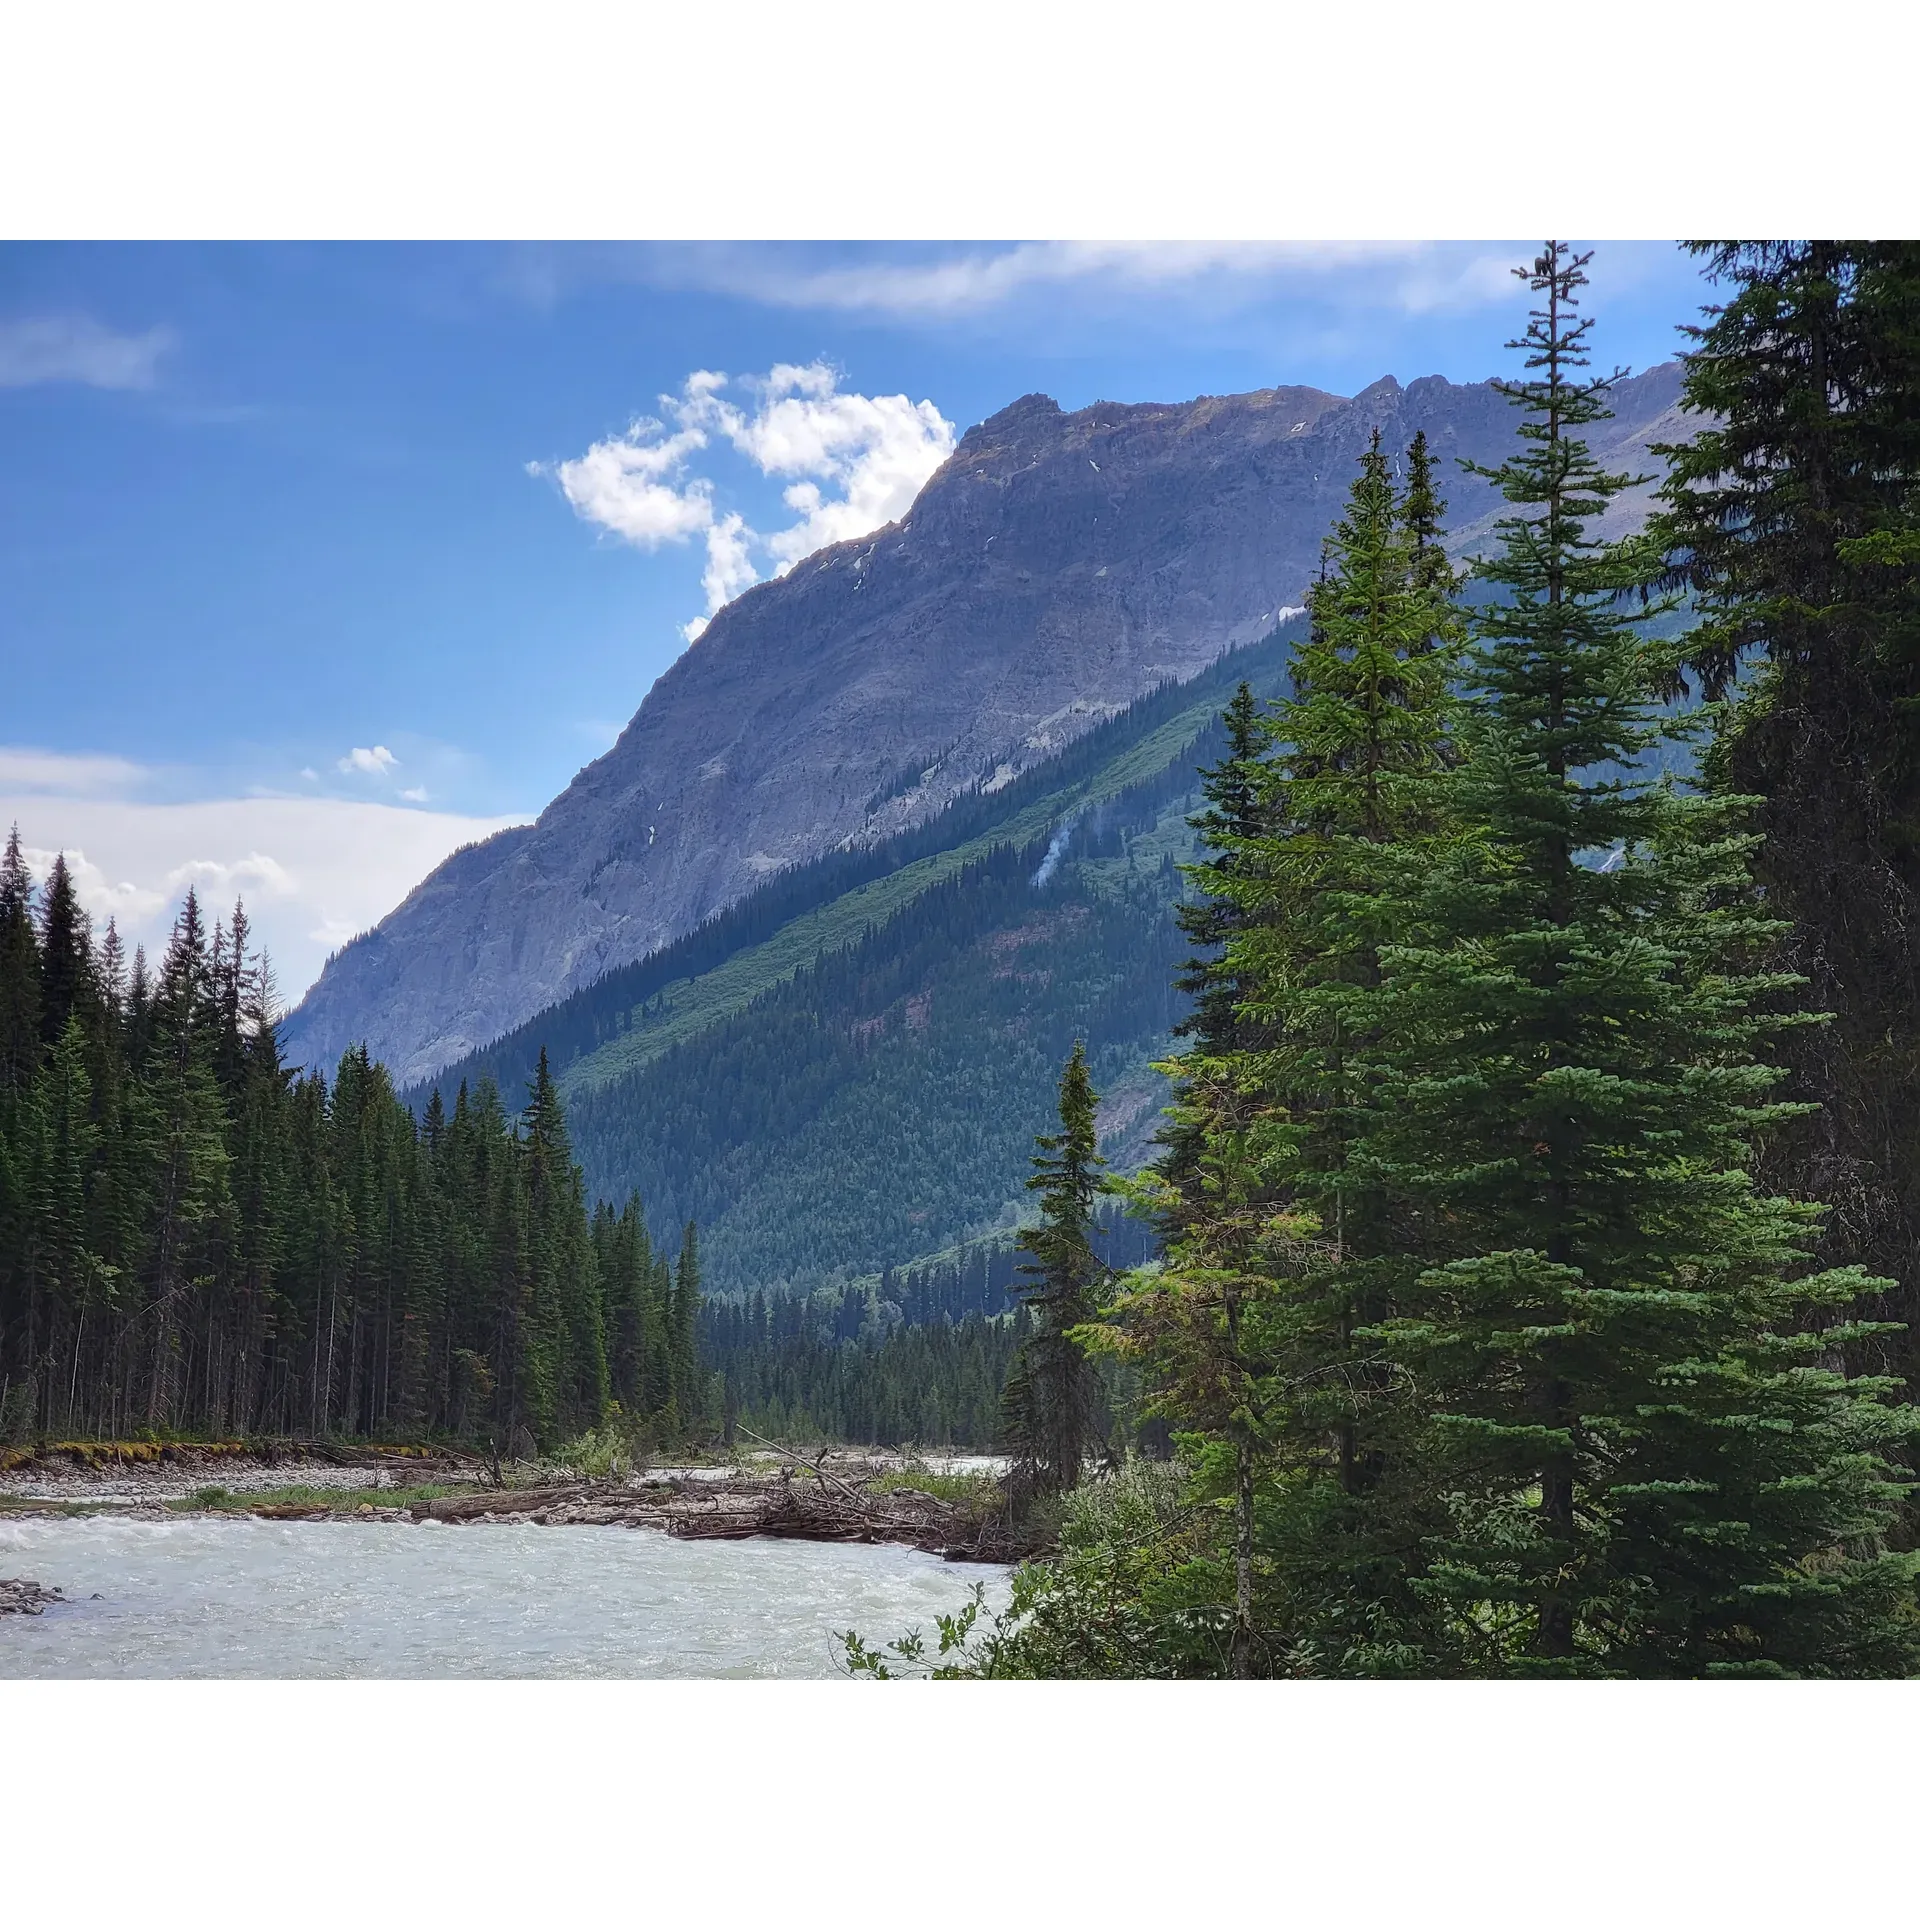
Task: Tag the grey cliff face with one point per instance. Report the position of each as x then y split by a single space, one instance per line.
1057 567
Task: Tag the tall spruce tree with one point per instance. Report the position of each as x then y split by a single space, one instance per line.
1055 1408
66 956
624 1254
1232 818
1647 1470
19 1129
1429 571
566 1354
184 1124
688 1379
20 1027
1793 518
1208 1089
1251 1322
68 1270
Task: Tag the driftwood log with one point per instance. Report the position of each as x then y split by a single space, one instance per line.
475 1506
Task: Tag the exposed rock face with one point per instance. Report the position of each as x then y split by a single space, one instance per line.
1056 568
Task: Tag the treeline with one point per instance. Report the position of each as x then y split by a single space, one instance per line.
785 1374
917 1356
988 1276
1540 1202
195 1238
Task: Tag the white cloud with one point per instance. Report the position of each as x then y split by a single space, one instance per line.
626 485
367 760
876 453
34 770
1413 276
256 873
71 347
414 793
313 870
124 902
856 462
729 569
883 454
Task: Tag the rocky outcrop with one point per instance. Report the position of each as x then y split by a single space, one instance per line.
1054 569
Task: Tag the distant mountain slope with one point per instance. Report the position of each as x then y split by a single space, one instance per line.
859 1084
636 1012
1051 573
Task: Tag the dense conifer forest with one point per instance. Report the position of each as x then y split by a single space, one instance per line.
194 1238
934 1385
1536 1258
882 1104
198 1239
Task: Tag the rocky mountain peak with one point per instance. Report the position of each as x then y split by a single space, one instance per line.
1058 566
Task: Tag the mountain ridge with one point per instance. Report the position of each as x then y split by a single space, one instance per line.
1056 568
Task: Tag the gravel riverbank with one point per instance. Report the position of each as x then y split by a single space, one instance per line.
942 1504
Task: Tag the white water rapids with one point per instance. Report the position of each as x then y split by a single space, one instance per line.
227 1598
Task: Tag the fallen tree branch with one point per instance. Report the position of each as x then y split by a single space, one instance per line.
813 1466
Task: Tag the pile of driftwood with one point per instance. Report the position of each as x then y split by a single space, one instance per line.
831 1506
807 1501
828 1510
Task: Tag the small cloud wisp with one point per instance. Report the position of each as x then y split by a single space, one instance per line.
43 350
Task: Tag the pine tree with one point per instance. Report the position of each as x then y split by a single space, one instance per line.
1429 571
624 1254
186 1140
1055 1408
1232 817
566 1354
20 1024
1229 824
66 957
68 1269
688 1388
1793 519
1250 1324
1647 1471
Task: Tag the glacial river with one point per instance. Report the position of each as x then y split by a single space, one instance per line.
226 1598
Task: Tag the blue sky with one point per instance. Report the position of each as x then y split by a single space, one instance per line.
318 560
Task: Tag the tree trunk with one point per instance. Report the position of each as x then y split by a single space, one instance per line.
1243 1563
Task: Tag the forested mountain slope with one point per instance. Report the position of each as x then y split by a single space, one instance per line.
1056 569
859 1084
